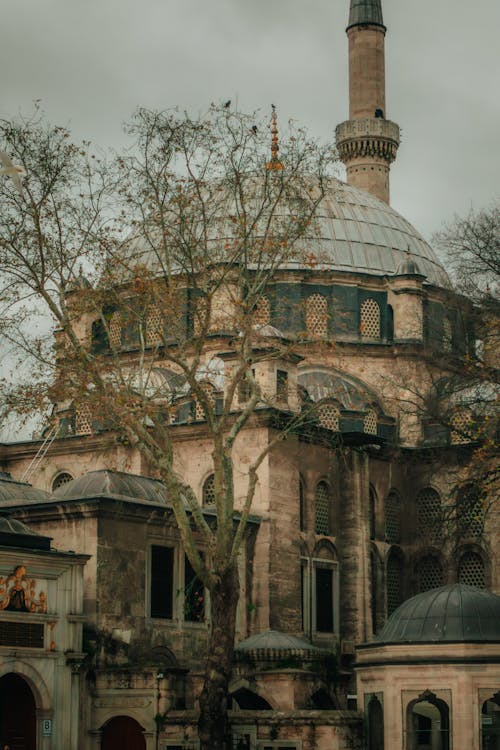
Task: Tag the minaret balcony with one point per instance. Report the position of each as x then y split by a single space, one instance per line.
367 136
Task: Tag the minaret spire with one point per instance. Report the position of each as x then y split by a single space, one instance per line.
275 149
367 142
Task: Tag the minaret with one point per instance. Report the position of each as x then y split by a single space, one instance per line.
367 142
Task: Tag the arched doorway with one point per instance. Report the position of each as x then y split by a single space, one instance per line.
17 713
375 724
490 723
123 733
428 724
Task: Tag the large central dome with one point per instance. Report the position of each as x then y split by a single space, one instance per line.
358 233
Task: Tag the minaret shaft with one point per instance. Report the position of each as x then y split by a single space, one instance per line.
367 142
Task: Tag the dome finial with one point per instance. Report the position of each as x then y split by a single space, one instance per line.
275 162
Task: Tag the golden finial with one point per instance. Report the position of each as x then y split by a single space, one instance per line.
275 161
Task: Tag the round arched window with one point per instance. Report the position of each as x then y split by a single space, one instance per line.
63 478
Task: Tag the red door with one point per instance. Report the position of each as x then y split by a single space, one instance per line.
17 714
123 733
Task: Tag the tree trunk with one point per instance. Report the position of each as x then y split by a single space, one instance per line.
213 726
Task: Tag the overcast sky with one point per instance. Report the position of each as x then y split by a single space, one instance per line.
91 62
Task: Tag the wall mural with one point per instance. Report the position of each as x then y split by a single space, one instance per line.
18 593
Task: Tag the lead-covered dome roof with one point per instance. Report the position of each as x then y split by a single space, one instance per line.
358 233
454 613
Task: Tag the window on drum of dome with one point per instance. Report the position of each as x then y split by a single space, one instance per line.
370 422
83 420
61 479
322 509
154 326
329 416
317 316
262 312
370 319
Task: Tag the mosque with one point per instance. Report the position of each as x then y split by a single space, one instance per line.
361 623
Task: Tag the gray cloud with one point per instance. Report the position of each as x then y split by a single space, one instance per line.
93 62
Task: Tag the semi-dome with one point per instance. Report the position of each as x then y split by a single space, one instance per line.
358 233
454 613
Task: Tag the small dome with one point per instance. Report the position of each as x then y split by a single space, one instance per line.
115 484
273 644
17 493
446 614
14 533
409 267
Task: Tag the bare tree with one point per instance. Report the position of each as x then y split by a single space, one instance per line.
154 267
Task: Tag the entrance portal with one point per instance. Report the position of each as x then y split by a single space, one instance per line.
17 713
123 733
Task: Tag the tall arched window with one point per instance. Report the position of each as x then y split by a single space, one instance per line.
394 582
208 491
322 524
429 573
317 316
370 319
428 513
375 724
470 511
392 518
471 570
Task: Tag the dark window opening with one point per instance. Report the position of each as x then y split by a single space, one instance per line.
282 385
162 582
324 600
194 595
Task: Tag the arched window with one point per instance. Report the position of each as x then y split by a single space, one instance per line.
329 416
322 524
428 513
83 420
394 582
262 312
370 422
490 723
155 324
208 491
470 511
317 316
375 724
392 518
471 570
370 319
372 513
447 335
63 478
302 509
429 573
428 723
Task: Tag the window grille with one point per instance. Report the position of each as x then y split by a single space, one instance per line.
470 511
471 570
154 326
394 583
370 422
199 315
262 313
63 478
317 316
322 525
392 519
461 424
83 420
370 319
115 331
447 335
429 573
428 513
209 391
208 492
329 417
21 634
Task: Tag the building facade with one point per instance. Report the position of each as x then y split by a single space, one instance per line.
346 523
